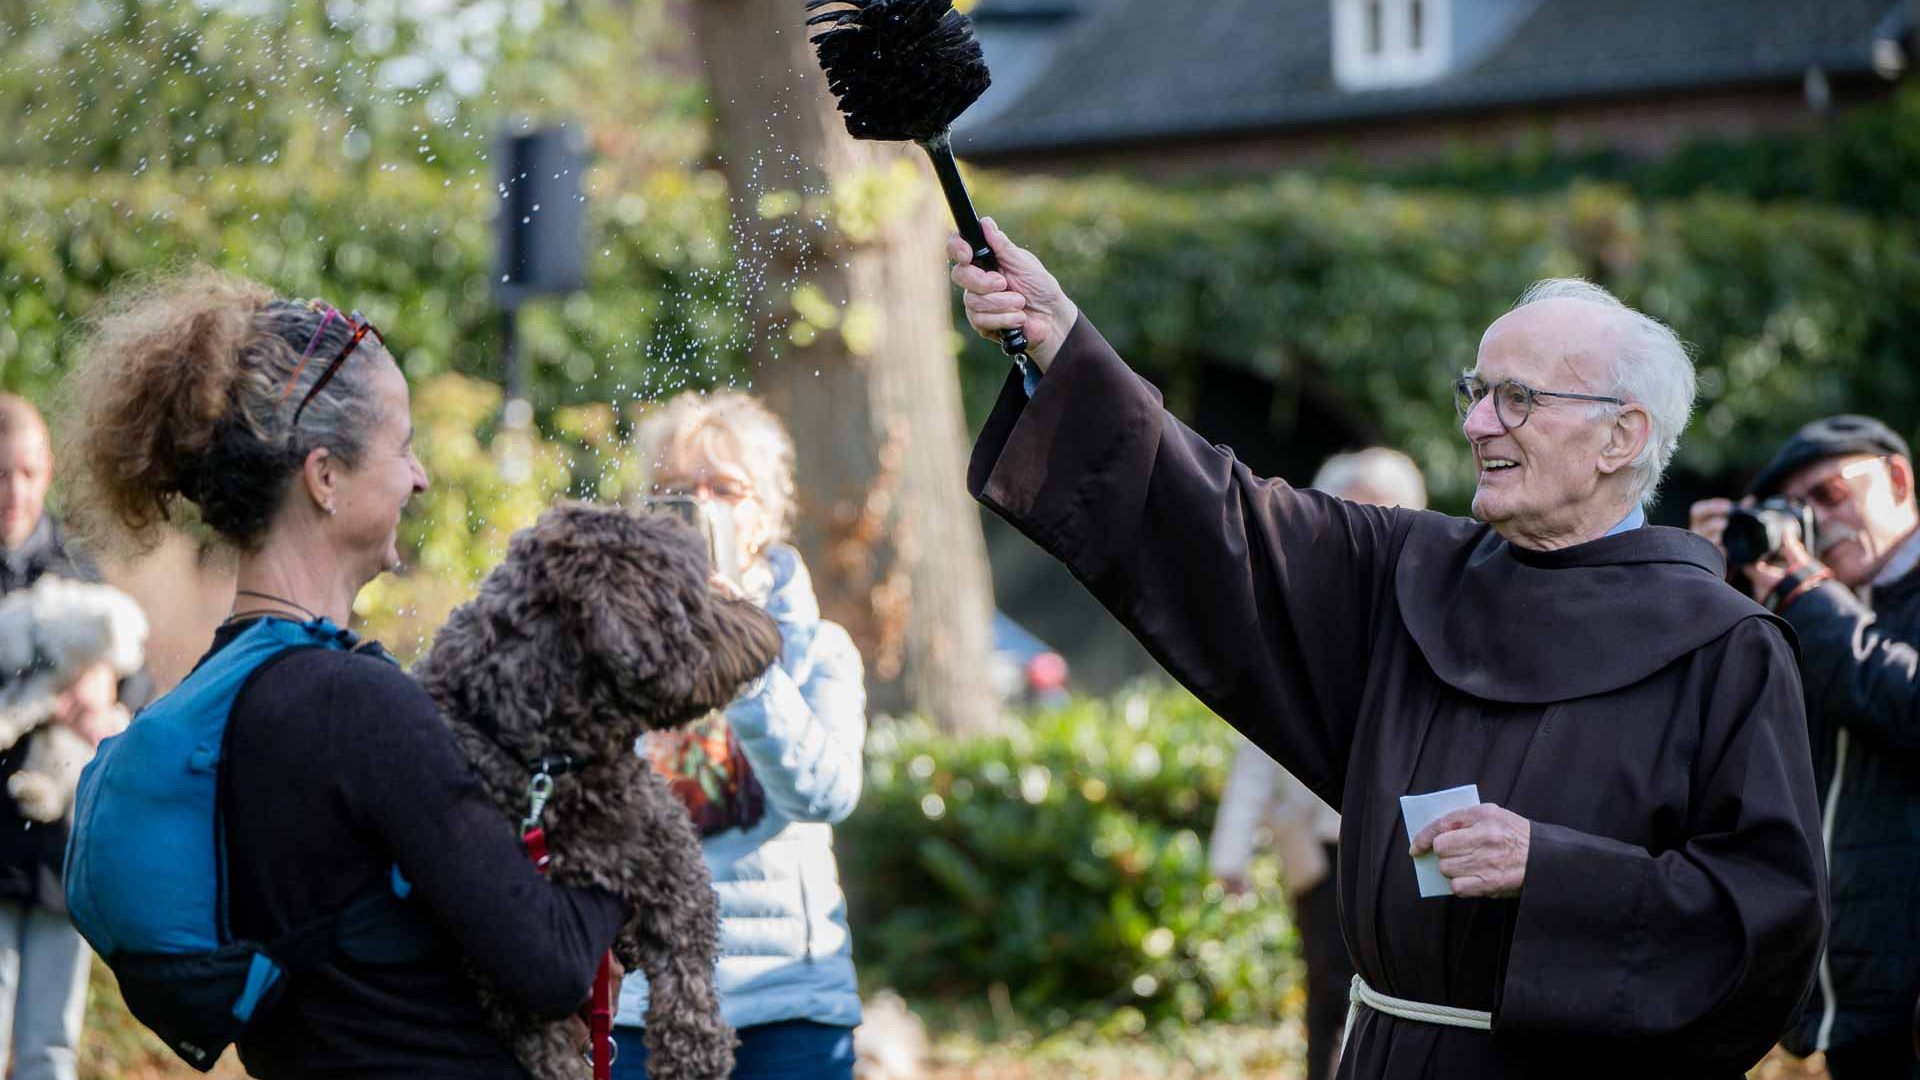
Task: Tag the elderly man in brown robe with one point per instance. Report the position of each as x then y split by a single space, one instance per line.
1641 889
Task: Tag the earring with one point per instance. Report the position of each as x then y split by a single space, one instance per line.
329 509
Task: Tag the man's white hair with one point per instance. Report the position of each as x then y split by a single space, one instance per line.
1650 368
1389 474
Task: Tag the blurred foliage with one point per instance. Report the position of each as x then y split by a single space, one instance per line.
350 85
342 150
1379 297
1866 158
137 85
1060 865
146 139
410 248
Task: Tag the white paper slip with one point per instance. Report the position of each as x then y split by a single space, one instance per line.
1421 811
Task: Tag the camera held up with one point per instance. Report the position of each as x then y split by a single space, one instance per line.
712 522
1757 532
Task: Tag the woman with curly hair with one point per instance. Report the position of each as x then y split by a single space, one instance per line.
766 779
284 425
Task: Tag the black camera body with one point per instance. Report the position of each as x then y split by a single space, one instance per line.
714 524
1756 532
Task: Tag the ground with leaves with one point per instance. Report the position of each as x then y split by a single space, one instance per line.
978 1044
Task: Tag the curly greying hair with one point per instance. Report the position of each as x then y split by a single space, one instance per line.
730 426
186 389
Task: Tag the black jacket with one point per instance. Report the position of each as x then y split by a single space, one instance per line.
1861 668
31 851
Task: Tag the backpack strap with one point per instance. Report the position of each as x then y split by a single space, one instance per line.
378 926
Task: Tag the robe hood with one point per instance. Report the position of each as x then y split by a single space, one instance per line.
1511 624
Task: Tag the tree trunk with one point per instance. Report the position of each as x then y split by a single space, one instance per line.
841 259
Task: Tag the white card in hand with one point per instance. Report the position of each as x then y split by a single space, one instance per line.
1421 811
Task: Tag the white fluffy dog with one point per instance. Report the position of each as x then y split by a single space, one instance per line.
49 634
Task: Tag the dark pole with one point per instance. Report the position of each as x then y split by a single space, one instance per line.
516 416
940 150
511 372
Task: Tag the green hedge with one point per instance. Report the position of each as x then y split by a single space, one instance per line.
1867 158
1063 860
1375 296
409 247
1380 296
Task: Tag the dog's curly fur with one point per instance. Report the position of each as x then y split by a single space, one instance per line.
599 626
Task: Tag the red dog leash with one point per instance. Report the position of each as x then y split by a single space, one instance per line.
600 1012
600 1019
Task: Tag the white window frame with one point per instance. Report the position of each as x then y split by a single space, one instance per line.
1398 62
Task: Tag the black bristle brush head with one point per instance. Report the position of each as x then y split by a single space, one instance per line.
903 70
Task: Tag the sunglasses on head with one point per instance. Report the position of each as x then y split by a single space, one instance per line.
361 328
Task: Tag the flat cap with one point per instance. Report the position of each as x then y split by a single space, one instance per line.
1833 436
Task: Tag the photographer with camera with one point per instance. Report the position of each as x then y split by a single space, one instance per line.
1827 540
767 778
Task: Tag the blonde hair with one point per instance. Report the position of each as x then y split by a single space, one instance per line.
725 426
1389 473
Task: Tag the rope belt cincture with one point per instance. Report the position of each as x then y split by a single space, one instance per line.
1444 1015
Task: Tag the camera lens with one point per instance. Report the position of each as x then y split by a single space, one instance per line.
1757 532
1751 535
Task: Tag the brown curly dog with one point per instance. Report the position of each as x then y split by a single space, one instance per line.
599 626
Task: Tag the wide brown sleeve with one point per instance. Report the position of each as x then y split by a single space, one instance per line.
1702 953
1261 599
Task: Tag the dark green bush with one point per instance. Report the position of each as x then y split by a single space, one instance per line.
1378 297
1373 297
410 247
1064 860
1867 159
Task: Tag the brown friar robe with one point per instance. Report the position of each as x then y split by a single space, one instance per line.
1642 715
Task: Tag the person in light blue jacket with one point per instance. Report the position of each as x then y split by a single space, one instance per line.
766 780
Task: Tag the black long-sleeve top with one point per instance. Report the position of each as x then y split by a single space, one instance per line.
338 769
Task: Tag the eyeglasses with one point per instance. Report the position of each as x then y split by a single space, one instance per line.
1513 400
720 487
361 328
1837 487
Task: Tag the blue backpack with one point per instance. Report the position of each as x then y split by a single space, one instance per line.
146 864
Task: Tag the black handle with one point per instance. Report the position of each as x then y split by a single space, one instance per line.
940 149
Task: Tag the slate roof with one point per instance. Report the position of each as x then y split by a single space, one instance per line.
1132 70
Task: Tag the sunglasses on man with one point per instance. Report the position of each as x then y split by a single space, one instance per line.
1837 487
